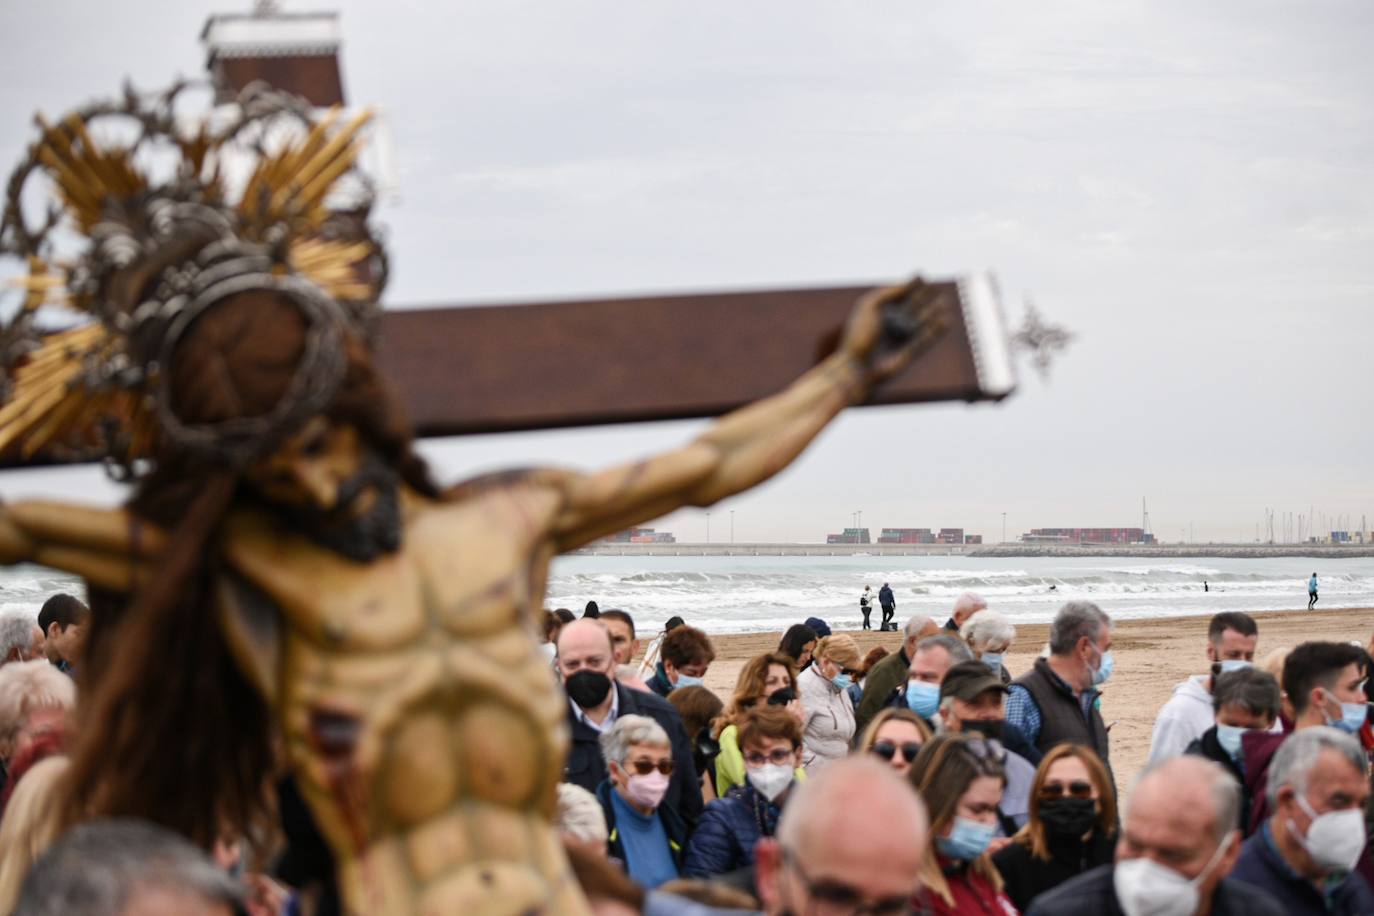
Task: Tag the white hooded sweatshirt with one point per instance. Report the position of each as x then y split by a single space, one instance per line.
1183 719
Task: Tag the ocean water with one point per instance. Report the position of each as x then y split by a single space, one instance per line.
744 594
753 594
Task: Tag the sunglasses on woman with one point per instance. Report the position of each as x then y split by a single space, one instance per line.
1079 788
645 767
888 749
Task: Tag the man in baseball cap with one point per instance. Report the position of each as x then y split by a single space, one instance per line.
971 702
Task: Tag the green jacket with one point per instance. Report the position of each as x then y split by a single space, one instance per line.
878 687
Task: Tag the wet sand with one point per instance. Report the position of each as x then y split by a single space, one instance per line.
1151 657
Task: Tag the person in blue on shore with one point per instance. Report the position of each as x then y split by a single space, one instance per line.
1311 591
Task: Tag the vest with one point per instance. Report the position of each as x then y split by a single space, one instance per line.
1061 713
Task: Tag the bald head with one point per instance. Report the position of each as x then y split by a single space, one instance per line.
815 840
1185 800
966 605
830 806
585 643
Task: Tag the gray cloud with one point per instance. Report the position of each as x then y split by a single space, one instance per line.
1188 186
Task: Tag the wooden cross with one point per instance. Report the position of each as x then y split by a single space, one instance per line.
593 361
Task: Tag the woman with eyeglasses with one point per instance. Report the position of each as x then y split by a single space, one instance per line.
897 736
724 840
646 836
961 780
828 727
762 678
1072 826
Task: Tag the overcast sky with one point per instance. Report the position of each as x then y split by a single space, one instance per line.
1188 186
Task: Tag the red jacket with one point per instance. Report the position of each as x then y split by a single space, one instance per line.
972 893
1258 749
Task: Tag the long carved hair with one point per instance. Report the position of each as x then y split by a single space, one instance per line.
170 730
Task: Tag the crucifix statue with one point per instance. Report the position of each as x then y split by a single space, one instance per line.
287 586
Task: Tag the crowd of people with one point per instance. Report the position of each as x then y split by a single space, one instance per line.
928 779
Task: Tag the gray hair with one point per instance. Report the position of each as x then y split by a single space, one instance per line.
579 815
16 632
98 868
1074 621
1224 789
1294 759
26 686
988 628
1253 690
958 649
914 625
969 603
627 731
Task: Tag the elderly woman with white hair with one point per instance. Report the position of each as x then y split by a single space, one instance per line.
34 701
990 634
647 836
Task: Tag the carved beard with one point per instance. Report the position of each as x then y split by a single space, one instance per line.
366 537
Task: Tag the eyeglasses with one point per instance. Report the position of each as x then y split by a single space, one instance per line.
834 898
777 757
854 673
644 767
1079 788
888 749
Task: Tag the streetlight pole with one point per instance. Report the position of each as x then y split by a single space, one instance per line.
708 527
1004 527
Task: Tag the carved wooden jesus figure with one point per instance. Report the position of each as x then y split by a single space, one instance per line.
327 591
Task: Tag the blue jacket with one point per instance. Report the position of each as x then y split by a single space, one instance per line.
1260 865
673 826
727 832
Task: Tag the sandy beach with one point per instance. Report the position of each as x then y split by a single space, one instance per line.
1151 657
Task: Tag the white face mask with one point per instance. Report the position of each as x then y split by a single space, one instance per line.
771 779
1335 839
1146 888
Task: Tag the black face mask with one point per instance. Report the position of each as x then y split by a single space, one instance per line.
1068 818
782 696
587 688
988 728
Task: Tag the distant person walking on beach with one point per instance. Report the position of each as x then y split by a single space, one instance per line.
889 603
866 605
1311 591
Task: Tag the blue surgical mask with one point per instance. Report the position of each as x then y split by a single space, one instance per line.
842 681
993 660
967 841
1352 717
922 698
1234 664
1103 671
1228 736
686 680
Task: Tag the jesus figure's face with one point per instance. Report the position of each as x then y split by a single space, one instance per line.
324 481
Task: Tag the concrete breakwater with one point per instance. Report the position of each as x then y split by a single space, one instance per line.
1162 551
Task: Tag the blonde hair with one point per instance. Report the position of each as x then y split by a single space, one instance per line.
30 825
840 649
1274 662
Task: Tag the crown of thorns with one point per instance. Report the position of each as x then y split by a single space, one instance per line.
155 253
